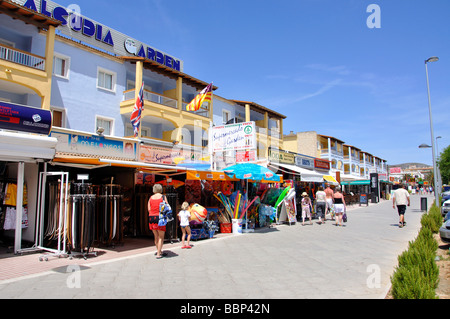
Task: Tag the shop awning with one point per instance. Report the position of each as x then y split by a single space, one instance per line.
355 183
305 174
21 147
207 175
330 179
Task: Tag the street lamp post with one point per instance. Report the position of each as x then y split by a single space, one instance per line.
433 141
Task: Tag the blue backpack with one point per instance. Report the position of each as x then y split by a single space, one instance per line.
165 213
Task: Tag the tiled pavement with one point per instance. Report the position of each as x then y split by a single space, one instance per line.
319 261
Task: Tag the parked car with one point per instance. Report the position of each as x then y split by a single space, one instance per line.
444 232
446 217
447 193
445 207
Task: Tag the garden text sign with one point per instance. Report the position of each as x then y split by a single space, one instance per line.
234 137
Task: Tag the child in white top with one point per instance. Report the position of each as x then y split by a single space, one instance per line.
185 216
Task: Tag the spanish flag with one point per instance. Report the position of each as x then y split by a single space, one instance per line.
204 96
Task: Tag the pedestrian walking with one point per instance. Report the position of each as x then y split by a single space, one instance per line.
306 208
185 216
153 219
329 199
339 206
400 199
321 204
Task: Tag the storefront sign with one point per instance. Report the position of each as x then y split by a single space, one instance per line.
25 119
245 156
93 145
241 136
165 155
302 161
395 170
321 164
75 25
283 157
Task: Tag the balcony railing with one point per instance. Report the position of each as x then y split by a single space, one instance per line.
204 110
21 57
152 97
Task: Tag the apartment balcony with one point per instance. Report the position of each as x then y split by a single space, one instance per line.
160 108
21 57
335 152
354 160
153 98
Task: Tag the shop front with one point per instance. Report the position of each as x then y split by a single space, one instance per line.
24 146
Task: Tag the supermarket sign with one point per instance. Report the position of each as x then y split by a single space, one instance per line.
234 137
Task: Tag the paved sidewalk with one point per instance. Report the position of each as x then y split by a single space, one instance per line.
299 262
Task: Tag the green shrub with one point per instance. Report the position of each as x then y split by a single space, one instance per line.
430 221
409 283
417 275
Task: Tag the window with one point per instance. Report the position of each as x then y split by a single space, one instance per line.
106 80
106 123
58 116
61 66
145 131
226 116
7 43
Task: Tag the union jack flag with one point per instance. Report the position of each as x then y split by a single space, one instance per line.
137 112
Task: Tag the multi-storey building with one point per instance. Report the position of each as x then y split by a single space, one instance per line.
88 76
348 161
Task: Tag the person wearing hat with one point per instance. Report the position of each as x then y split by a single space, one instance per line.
306 208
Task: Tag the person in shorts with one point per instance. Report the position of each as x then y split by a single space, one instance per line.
306 208
153 218
321 205
185 216
401 199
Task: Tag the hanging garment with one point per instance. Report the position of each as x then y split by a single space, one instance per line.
11 195
10 218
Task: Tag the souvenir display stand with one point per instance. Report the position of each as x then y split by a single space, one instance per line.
288 211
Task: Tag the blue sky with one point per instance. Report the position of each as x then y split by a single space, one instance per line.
315 61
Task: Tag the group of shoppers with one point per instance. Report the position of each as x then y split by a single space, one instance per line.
328 201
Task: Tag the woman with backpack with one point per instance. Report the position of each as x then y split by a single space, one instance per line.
153 218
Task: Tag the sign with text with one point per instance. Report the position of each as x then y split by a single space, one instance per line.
283 157
165 155
79 144
234 137
322 164
245 156
77 26
395 170
25 119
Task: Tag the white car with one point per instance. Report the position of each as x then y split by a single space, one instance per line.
445 207
444 232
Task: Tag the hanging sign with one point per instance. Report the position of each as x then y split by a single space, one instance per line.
25 119
240 136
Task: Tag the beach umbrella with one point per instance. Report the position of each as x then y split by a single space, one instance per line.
197 165
251 171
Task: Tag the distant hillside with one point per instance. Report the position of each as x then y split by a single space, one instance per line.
410 165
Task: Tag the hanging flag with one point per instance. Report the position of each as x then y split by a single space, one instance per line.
137 112
204 96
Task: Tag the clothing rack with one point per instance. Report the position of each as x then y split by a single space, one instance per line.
56 215
81 225
110 216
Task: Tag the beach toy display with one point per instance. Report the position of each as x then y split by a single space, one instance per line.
198 213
